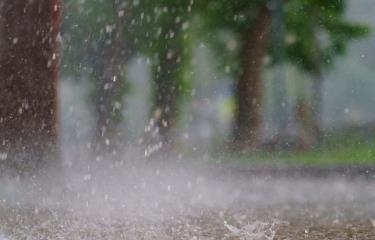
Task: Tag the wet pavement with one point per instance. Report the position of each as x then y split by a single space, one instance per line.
197 203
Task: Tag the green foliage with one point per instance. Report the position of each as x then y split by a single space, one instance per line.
225 25
317 32
235 16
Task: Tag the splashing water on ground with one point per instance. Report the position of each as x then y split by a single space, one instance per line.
164 200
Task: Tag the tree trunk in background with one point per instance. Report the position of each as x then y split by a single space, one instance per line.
249 87
110 88
28 83
309 116
304 117
281 114
166 95
317 106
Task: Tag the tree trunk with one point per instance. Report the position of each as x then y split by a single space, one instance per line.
110 88
281 112
249 87
304 117
317 106
166 95
28 74
166 86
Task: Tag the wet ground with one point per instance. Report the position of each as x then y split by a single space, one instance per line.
221 224
180 203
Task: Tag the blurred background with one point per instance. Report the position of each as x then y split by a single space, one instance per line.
187 119
255 81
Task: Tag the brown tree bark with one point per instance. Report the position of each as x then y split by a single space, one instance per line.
28 82
249 87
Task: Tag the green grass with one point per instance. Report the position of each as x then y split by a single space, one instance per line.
335 151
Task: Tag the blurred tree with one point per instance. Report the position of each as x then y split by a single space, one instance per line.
28 72
317 33
249 22
110 83
281 116
249 87
99 42
165 39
